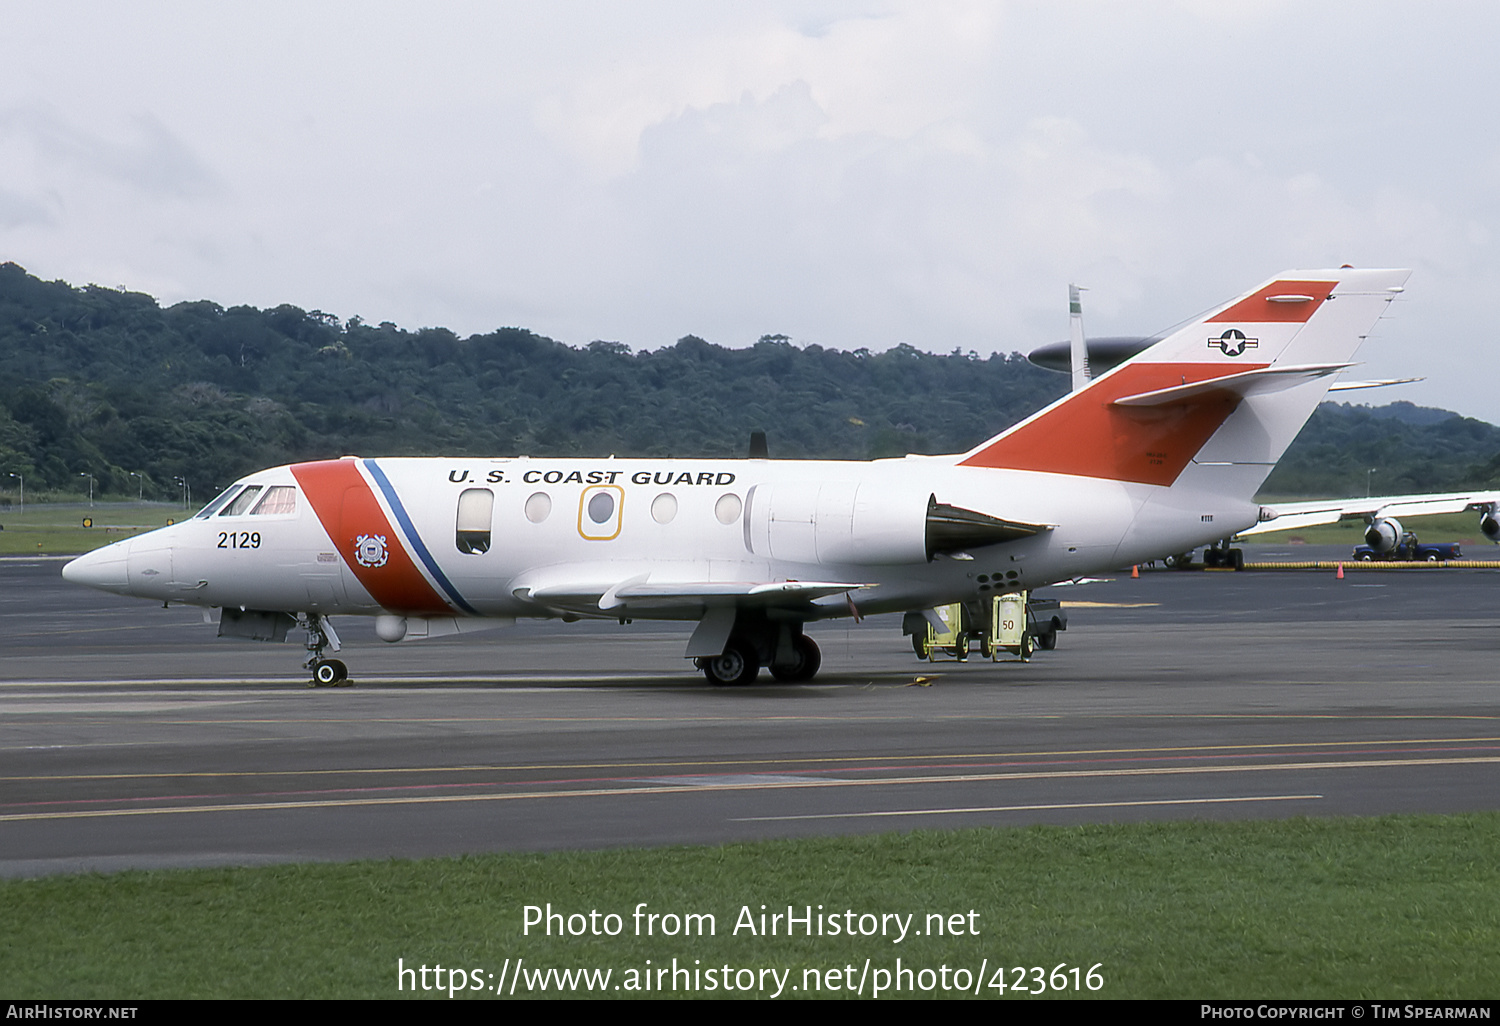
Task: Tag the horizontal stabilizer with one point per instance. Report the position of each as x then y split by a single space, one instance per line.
1349 386
1251 382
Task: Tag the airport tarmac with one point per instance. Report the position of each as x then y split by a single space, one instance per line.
133 737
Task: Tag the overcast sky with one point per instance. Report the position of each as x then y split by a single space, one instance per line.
850 173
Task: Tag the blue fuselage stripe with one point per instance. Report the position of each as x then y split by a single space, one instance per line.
416 539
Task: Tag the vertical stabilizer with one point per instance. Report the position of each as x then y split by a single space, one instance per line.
1230 389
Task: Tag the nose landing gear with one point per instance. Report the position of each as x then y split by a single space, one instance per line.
326 673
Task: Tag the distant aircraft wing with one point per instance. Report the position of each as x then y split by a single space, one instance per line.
1292 516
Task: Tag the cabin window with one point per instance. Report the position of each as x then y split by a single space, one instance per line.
538 507
476 509
242 502
727 509
279 499
664 508
601 507
599 512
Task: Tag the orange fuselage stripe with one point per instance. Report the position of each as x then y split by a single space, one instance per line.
348 510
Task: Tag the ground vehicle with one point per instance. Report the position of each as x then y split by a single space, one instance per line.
1411 549
1014 622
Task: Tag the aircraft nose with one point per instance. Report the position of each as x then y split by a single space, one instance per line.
103 568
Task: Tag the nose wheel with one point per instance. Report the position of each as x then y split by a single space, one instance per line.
329 673
326 673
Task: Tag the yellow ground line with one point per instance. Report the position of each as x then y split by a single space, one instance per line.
616 792
843 760
1068 604
1356 564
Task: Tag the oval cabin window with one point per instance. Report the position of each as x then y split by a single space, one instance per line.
538 507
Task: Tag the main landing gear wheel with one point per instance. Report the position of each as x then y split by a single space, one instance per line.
329 673
736 667
806 666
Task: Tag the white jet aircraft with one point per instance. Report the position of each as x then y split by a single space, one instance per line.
1383 532
1158 455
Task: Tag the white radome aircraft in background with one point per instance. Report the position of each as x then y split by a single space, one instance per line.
1162 453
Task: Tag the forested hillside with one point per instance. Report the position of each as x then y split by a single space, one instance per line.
104 382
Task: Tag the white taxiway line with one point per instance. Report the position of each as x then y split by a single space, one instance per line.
622 792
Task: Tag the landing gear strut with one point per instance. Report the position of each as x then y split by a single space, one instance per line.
326 673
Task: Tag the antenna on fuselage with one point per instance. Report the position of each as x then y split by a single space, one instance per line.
1077 347
758 449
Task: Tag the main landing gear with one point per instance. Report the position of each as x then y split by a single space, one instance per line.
1221 555
326 673
793 657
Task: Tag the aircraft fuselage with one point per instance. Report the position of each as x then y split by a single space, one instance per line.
525 537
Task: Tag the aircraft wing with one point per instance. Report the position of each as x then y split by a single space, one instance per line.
638 593
1295 515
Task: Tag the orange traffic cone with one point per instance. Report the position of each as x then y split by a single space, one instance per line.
1340 574
1135 570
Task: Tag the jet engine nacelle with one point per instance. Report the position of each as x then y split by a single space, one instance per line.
1384 535
836 522
866 525
1490 525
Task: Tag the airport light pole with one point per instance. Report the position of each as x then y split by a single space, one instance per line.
21 479
140 485
1367 481
91 488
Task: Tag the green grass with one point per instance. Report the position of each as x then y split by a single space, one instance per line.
45 530
1393 907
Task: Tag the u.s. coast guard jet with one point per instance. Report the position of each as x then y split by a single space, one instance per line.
1160 454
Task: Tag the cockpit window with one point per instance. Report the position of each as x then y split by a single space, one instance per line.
241 502
213 507
278 499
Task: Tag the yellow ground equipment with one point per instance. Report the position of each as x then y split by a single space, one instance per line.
1012 623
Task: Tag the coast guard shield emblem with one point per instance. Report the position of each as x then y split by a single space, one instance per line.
369 550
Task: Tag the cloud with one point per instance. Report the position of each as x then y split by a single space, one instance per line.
850 172
140 154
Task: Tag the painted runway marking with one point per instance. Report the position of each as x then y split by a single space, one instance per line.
1080 604
620 792
857 762
1038 808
